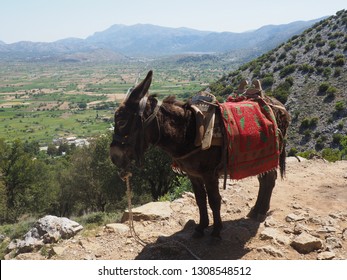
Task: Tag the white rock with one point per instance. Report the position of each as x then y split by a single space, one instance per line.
306 243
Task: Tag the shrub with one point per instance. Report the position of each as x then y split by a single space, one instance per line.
337 138
331 155
337 72
287 70
292 152
308 123
323 87
339 106
327 72
267 81
282 91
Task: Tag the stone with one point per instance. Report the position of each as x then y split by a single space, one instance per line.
271 251
294 218
333 242
270 222
117 228
151 211
306 243
58 250
269 233
48 229
326 229
56 227
326 256
344 234
274 234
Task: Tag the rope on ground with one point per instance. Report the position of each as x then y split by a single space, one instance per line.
132 228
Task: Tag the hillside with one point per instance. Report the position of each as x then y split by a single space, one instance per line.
307 213
152 40
309 74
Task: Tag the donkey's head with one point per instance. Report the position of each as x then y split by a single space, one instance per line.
128 138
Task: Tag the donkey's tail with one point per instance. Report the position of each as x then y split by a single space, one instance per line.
283 160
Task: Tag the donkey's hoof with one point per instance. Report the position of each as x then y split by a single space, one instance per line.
256 216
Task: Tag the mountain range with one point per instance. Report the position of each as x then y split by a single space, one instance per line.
151 40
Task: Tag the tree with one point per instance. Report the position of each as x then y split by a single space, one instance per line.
16 176
156 176
90 182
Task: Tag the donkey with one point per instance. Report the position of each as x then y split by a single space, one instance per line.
140 122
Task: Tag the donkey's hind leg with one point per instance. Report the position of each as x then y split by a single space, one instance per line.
200 197
266 184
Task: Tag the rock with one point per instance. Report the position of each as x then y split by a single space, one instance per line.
117 227
274 234
294 218
326 256
150 211
326 229
300 228
295 159
48 229
306 243
271 251
269 233
56 227
333 242
344 234
58 250
270 222
2 237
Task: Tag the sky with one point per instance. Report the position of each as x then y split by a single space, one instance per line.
51 20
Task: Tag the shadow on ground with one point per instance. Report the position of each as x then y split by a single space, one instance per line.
181 246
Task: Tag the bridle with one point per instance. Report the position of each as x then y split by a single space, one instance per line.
136 137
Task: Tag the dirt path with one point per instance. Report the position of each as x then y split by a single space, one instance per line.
310 202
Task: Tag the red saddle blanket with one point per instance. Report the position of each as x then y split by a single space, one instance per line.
253 141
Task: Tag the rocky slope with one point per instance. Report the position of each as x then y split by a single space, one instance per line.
308 220
309 74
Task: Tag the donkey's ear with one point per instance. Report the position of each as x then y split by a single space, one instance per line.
141 89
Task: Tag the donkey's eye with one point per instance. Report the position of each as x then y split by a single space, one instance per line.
121 123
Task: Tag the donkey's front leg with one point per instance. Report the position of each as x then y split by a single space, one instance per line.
200 197
214 199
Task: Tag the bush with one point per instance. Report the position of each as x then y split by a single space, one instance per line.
309 123
323 87
267 82
337 137
339 106
292 152
183 185
287 70
282 91
331 155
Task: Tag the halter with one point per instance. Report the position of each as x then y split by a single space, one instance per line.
135 138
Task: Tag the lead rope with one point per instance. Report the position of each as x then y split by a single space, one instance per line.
131 222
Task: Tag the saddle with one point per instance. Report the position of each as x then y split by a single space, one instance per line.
208 126
208 132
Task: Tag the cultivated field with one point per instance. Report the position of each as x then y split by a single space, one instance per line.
42 101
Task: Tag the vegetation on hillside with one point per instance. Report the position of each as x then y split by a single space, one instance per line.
309 75
82 181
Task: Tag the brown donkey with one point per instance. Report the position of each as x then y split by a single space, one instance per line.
140 122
